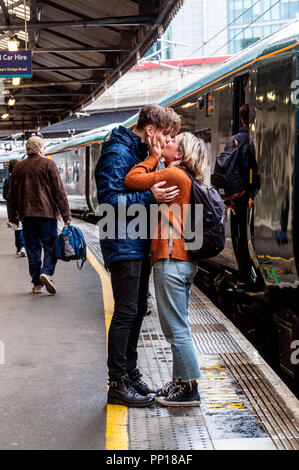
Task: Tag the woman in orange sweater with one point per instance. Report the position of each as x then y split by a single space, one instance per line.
173 269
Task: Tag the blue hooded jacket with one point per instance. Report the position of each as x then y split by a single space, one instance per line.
123 151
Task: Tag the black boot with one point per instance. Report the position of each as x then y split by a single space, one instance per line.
141 387
185 394
121 393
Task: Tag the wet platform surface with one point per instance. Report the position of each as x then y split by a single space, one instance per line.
53 376
245 405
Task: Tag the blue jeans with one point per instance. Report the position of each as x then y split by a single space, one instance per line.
40 232
19 239
173 280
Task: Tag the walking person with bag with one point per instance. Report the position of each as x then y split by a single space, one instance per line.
36 197
173 268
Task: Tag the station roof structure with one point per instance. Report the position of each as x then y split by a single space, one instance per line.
79 49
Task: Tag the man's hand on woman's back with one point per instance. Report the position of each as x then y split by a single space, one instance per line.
164 195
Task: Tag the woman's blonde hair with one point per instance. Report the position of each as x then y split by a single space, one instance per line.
194 155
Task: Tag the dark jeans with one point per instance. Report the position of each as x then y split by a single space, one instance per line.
239 225
130 281
40 232
19 239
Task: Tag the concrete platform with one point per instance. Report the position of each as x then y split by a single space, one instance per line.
52 356
53 371
244 404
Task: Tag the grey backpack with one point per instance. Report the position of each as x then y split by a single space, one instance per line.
213 220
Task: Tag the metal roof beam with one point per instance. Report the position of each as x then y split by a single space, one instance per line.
59 68
65 59
70 12
5 12
67 38
142 20
150 6
62 8
36 103
53 93
42 111
62 83
80 49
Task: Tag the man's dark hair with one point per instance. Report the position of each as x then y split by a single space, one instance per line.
244 114
11 165
159 117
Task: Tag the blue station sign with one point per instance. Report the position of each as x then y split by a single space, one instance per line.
15 64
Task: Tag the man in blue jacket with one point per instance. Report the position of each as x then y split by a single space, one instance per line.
128 259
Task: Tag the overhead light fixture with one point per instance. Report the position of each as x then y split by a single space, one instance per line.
16 81
13 43
5 116
11 101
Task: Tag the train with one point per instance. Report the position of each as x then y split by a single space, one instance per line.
266 77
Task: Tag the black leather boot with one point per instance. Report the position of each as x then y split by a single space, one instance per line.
122 393
141 387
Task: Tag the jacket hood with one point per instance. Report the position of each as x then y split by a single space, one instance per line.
124 136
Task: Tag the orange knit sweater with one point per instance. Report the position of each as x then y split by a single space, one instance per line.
141 178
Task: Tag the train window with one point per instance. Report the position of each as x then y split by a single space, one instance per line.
201 102
76 171
68 173
210 105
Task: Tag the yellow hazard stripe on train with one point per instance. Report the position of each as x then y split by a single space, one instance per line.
117 416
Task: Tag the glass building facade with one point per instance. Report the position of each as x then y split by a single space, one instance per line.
239 22
265 20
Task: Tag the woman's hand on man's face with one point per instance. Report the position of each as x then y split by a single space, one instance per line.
154 146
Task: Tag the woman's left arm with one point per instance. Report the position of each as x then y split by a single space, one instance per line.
142 176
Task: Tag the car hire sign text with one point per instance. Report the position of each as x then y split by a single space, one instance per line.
15 64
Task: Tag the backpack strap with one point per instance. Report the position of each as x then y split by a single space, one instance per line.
188 174
82 262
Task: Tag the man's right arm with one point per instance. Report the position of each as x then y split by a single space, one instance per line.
110 173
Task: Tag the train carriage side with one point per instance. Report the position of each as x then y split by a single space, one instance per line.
76 160
211 112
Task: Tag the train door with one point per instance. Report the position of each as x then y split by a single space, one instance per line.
242 223
296 172
88 178
240 97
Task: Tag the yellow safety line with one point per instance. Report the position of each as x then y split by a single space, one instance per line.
117 416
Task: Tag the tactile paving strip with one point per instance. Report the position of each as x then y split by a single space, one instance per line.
164 429
238 401
264 401
158 427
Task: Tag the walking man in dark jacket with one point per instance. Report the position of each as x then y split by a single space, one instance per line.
128 259
36 196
